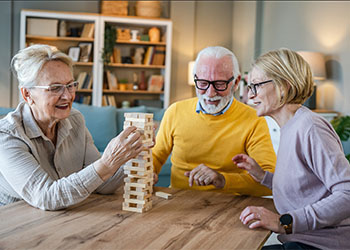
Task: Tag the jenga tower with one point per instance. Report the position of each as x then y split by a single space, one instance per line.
139 182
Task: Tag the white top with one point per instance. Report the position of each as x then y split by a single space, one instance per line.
45 175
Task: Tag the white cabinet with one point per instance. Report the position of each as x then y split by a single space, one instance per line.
95 65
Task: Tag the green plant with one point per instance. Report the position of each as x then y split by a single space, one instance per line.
341 125
110 38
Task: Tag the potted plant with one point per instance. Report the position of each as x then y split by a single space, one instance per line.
341 125
110 38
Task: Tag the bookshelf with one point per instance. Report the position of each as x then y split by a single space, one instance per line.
123 72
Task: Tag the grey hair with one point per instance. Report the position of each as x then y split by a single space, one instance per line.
28 62
218 52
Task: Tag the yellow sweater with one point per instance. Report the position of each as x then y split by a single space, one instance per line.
194 139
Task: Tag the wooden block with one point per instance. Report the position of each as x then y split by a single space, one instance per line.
146 116
129 196
163 195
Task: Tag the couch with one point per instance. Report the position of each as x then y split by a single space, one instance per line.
104 123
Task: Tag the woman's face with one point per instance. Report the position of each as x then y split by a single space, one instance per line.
46 105
265 100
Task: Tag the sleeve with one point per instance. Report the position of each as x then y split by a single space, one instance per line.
23 172
325 157
258 146
164 140
92 155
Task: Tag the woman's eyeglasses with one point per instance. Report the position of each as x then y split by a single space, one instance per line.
58 89
254 87
219 85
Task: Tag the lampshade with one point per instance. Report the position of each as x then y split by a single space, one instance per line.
316 62
190 73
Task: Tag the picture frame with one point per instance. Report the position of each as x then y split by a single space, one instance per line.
74 53
85 51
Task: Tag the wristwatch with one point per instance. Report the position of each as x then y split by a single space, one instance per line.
286 221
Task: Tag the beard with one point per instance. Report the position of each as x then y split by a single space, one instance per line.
212 108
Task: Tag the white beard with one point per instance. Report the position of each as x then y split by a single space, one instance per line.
213 109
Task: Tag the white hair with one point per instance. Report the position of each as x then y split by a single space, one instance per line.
218 52
28 62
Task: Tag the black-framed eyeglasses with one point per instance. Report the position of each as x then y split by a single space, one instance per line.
254 87
219 85
58 89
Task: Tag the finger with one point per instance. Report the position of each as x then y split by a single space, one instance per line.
126 132
248 210
239 158
192 173
208 181
256 224
250 217
187 173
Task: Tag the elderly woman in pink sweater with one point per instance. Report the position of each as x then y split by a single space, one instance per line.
311 183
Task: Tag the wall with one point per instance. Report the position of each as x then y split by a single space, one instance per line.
315 26
196 25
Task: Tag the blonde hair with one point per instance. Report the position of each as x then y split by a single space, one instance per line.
218 52
290 73
28 62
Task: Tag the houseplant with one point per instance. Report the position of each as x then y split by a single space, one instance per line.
341 125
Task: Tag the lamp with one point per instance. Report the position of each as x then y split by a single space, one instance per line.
317 64
190 80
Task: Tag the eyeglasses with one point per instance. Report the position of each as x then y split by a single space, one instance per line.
254 87
219 85
58 89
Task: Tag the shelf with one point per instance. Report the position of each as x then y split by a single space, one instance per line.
108 91
83 64
84 91
141 43
60 38
125 65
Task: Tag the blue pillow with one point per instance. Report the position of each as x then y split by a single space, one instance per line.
4 111
121 118
101 122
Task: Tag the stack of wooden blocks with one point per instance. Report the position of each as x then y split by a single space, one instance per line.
138 186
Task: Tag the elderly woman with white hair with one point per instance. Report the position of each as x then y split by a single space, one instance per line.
47 155
311 183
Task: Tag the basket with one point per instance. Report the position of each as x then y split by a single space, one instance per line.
119 8
148 8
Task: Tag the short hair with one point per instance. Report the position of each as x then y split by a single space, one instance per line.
218 52
28 62
290 73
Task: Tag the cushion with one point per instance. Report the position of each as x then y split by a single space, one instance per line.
4 111
101 122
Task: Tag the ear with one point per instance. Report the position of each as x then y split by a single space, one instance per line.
237 80
26 96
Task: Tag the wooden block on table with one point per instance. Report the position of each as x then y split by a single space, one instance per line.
163 195
145 116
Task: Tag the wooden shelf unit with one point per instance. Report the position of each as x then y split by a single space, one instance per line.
97 66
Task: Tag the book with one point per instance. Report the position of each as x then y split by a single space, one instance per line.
116 55
81 78
88 30
155 83
86 81
85 52
112 82
159 56
111 101
42 27
148 56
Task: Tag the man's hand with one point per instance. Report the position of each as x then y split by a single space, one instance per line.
204 176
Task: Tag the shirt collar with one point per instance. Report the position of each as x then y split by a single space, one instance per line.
33 130
200 108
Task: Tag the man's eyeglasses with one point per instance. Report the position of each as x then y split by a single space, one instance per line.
58 89
254 87
219 85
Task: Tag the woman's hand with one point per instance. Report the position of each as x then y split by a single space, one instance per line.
245 162
261 217
127 145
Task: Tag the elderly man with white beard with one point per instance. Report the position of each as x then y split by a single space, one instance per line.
202 134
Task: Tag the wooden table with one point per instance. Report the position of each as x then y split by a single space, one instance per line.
190 220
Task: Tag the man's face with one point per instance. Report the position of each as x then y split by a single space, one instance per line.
213 69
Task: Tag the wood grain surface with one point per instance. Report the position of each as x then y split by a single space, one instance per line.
189 220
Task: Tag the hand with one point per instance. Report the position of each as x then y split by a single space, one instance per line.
155 178
261 217
204 176
245 162
127 145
